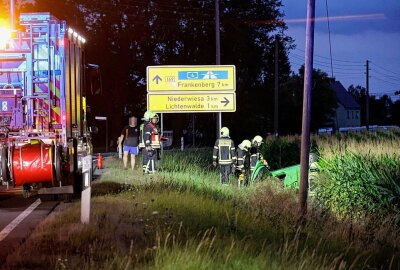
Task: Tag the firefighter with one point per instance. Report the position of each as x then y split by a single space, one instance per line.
242 167
151 140
255 153
224 154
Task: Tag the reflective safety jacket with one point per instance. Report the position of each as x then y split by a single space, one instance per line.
242 159
254 157
151 136
224 151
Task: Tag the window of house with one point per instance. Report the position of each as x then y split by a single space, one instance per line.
348 114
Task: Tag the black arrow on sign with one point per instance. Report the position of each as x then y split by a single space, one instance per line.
226 101
157 78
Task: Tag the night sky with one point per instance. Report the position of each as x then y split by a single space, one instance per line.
360 30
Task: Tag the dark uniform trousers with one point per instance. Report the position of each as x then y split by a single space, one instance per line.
254 157
150 163
225 171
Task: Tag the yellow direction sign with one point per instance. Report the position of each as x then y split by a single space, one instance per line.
191 78
186 103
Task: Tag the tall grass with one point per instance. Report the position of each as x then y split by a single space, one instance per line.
359 171
182 218
166 229
358 185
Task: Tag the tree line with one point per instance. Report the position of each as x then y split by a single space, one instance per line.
124 37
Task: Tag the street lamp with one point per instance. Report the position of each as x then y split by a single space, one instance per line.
104 118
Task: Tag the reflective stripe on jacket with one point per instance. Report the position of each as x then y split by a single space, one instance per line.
224 151
241 158
151 135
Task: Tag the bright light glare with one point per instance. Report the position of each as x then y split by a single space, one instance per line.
70 30
5 36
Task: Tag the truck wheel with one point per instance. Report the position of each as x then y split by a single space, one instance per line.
3 163
57 165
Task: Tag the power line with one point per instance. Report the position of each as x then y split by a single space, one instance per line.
335 60
395 73
347 66
389 77
336 64
377 78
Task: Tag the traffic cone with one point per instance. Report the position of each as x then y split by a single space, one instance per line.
100 161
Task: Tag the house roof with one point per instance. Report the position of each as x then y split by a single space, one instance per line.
344 97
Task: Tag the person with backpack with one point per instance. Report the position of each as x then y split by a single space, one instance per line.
129 141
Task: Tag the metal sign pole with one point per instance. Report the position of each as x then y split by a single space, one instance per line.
217 56
162 132
193 130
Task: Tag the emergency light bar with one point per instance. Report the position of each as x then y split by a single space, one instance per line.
76 35
5 36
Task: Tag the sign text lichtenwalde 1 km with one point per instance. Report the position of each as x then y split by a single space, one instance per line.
188 89
191 78
197 102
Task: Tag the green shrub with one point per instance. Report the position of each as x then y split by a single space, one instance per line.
282 151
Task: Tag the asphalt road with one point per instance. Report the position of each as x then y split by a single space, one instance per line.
18 217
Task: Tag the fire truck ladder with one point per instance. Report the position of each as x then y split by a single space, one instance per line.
42 68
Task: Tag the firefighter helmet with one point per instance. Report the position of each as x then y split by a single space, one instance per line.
246 144
153 115
257 140
147 115
224 132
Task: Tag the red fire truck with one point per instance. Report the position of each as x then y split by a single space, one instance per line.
43 128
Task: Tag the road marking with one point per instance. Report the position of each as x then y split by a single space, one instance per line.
6 231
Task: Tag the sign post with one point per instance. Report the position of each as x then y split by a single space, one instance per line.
87 165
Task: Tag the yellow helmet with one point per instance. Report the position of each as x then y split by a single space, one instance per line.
154 115
147 115
246 144
224 132
257 140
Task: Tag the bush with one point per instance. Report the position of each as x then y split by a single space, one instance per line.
281 152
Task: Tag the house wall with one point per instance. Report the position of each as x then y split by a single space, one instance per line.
347 117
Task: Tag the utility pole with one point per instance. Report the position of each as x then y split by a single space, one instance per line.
276 103
305 131
217 56
367 97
